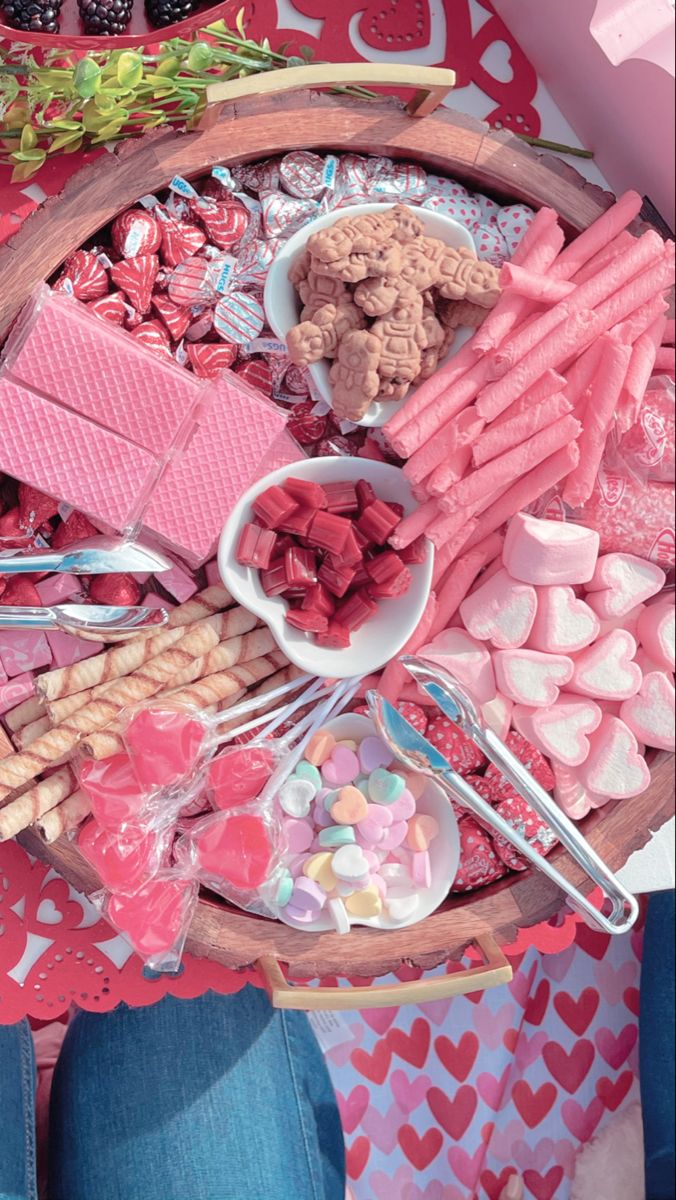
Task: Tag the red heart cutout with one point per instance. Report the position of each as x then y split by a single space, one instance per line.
570 1070
458 1059
413 1047
357 1157
592 941
543 1186
420 1151
537 1004
494 1184
613 1093
577 1014
455 1116
632 1000
533 1106
373 1066
394 26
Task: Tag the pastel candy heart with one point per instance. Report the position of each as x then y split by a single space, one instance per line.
501 611
377 820
620 582
563 624
606 670
337 835
349 864
341 768
650 713
531 678
384 786
365 903
296 796
561 730
657 633
320 868
549 552
350 807
374 753
415 782
308 895
298 834
319 747
614 768
338 914
421 869
396 875
403 808
422 829
394 836
321 816
402 908
284 890
466 659
497 715
306 770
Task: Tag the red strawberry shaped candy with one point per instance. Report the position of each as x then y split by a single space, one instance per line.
111 308
175 318
479 864
136 277
135 232
85 275
464 756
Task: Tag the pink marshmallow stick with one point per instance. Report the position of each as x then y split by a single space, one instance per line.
620 582
598 416
428 391
500 438
455 587
606 670
598 235
549 552
532 286
604 256
466 660
614 768
665 361
415 524
657 633
531 678
641 366
501 611
501 472
395 675
447 405
650 713
563 624
545 239
457 434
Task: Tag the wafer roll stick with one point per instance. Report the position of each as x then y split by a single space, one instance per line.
597 236
26 712
67 815
601 259
103 744
459 581
34 802
603 400
640 320
285 675
448 525
428 391
545 386
415 524
446 556
628 299
498 439
395 675
30 733
447 405
533 286
511 309
439 448
469 426
215 688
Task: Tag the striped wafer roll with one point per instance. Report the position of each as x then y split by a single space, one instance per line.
285 675
30 733
34 802
29 710
121 660
6 746
215 688
67 815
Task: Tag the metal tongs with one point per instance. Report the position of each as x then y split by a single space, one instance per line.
415 752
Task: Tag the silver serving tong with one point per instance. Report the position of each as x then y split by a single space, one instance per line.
89 621
92 556
412 749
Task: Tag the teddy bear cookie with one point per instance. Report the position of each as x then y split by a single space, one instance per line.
383 301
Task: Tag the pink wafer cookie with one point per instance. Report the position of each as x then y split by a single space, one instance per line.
657 634
650 713
549 552
620 582
615 768
562 731
563 624
606 670
531 678
466 659
501 611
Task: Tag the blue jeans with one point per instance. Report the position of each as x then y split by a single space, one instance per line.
219 1098
657 1047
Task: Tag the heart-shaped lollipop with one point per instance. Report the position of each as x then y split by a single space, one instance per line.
238 774
113 787
156 917
122 861
165 745
235 849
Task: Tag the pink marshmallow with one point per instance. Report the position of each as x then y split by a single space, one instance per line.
497 715
549 552
620 582
466 660
561 732
657 633
570 794
501 611
531 678
628 622
563 624
650 713
23 650
614 768
606 670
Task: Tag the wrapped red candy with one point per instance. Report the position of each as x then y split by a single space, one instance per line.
122 590
180 240
235 850
190 283
20 591
175 318
479 863
305 424
114 791
84 276
461 752
156 918
75 528
225 222
208 359
239 774
111 308
136 278
164 744
34 507
124 860
153 335
533 761
135 231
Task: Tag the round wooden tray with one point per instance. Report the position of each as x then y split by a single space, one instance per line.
139 32
244 127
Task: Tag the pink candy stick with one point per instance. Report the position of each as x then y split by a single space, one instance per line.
545 386
466 659
454 589
641 366
604 256
594 239
500 438
467 427
502 611
503 471
395 676
458 433
415 524
598 416
427 393
626 300
665 360
447 554
533 286
614 768
640 320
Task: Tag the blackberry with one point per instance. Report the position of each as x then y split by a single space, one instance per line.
166 12
34 16
105 17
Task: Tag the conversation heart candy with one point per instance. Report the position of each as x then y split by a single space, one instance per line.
466 659
337 835
298 834
501 611
394 836
530 677
349 864
114 790
296 796
350 807
320 868
549 552
620 582
606 670
319 747
165 744
235 848
403 808
372 827
308 895
384 786
615 768
563 624
306 770
341 768
421 869
657 633
422 829
338 914
650 713
365 903
374 753
560 730
402 908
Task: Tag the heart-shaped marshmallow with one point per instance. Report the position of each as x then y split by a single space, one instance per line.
501 611
650 713
466 659
350 864
620 582
570 794
497 715
629 622
615 768
549 552
606 670
657 633
563 624
560 731
531 678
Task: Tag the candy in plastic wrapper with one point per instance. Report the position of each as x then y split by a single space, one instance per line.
180 240
513 222
258 373
116 796
167 744
135 231
154 920
190 283
239 317
125 860
283 215
173 317
239 773
479 862
463 208
646 451
201 327
254 261
440 185
136 277
153 335
237 854
111 308
305 425
225 223
400 179
258 176
303 174
295 380
490 245
84 277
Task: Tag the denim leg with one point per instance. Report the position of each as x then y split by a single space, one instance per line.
656 1027
219 1098
17 1113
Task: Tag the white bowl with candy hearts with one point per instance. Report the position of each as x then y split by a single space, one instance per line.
393 621
410 902
283 304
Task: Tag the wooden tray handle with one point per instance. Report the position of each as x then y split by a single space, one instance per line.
496 970
431 84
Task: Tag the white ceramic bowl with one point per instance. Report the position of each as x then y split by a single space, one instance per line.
283 305
382 637
444 850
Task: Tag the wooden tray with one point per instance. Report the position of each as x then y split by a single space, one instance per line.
139 32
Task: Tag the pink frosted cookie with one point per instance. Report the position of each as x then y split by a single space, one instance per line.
531 678
561 731
549 552
615 768
650 713
563 624
501 611
606 670
466 659
657 633
620 582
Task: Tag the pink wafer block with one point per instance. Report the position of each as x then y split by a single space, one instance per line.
199 489
501 611
23 650
562 731
283 452
58 588
497 715
657 633
466 659
563 624
15 691
620 582
615 768
531 678
606 670
549 552
651 712
67 649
